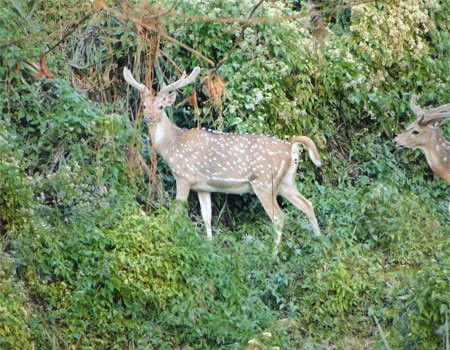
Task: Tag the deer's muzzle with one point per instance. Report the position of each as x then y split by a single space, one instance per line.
396 143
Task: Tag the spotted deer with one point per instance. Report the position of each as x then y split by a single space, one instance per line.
424 133
208 161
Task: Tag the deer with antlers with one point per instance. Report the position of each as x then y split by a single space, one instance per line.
209 161
424 133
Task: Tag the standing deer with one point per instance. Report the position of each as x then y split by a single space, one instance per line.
424 133
209 161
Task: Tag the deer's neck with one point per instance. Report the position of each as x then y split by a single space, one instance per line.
165 136
437 153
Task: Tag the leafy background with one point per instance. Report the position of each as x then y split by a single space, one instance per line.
97 254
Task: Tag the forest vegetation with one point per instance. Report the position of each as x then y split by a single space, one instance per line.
95 253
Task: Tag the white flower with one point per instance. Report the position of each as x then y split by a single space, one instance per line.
254 342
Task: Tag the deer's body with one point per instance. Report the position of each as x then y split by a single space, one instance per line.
437 153
207 161
230 163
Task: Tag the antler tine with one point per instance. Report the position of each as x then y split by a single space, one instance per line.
439 109
182 82
440 116
173 86
436 120
130 80
415 108
427 116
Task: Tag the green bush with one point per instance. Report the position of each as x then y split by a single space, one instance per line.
15 192
143 282
15 308
420 302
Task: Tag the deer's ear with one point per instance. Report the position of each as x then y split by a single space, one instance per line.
170 99
436 124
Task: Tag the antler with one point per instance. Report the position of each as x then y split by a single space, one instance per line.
130 80
183 81
436 115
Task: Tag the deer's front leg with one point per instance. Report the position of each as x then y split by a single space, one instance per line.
183 189
179 205
205 204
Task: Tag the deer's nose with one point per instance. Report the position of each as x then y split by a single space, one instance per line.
396 144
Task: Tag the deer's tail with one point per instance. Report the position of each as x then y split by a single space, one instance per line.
309 144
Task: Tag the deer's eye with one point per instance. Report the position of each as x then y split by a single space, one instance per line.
415 132
161 107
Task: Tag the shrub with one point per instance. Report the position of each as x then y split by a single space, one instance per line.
15 308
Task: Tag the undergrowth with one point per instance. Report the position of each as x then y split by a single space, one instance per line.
95 251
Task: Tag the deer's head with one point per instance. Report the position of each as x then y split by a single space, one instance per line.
418 134
153 105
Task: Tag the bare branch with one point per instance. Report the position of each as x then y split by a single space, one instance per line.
198 18
241 35
139 23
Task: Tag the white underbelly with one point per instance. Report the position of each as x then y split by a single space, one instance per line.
231 187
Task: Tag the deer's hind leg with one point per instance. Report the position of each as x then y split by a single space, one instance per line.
289 191
268 199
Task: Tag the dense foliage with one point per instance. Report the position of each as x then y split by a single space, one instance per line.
95 251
